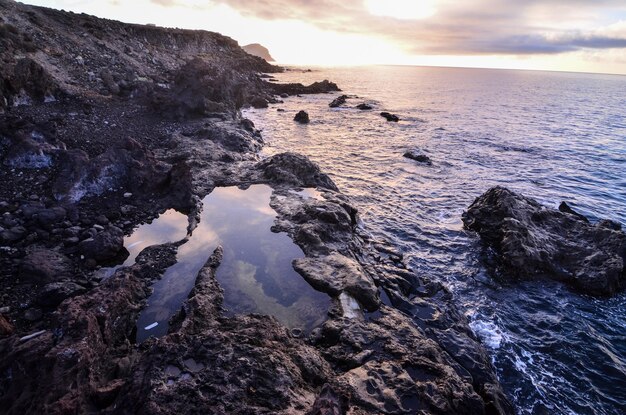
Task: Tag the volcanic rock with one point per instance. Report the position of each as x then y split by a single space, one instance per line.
339 101
336 273
105 246
295 169
536 242
364 107
43 266
302 117
389 116
418 156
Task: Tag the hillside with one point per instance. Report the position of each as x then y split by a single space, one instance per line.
261 51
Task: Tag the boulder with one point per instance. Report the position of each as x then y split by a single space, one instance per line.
6 328
364 107
418 156
336 273
390 117
339 101
105 246
43 266
534 242
322 87
302 117
295 169
53 294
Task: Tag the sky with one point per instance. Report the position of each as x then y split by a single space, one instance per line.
562 35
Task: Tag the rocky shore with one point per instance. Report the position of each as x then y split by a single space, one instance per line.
105 125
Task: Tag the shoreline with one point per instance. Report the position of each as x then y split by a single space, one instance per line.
168 147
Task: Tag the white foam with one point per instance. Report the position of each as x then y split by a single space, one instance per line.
488 332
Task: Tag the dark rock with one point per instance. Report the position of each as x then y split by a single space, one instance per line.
296 89
418 156
105 246
328 403
6 328
536 242
109 82
389 116
14 234
339 101
565 208
258 102
364 107
48 218
295 169
335 274
33 314
51 295
610 224
302 117
43 266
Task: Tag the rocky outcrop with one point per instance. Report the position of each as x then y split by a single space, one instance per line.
259 50
292 168
322 87
533 242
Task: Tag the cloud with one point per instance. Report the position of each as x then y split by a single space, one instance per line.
469 27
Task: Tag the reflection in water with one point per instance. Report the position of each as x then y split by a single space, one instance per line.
170 226
256 271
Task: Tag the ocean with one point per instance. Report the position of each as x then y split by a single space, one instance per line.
548 135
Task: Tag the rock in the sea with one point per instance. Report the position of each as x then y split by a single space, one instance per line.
105 246
44 266
536 242
418 156
364 107
336 273
295 169
389 117
339 101
302 117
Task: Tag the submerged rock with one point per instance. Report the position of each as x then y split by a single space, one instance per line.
536 242
418 156
364 107
302 117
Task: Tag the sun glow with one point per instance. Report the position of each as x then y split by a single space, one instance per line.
402 9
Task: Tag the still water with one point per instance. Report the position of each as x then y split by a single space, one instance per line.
256 272
550 136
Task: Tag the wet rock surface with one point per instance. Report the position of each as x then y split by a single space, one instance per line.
534 242
135 120
339 101
418 156
302 117
390 117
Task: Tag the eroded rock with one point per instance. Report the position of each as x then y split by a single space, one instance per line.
536 242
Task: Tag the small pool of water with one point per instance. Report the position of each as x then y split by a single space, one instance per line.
170 226
256 272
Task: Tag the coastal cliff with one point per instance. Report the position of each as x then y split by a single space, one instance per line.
104 126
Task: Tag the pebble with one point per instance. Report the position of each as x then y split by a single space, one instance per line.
32 336
127 195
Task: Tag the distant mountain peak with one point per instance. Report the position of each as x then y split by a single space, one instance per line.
259 50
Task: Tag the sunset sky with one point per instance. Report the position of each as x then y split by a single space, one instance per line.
567 35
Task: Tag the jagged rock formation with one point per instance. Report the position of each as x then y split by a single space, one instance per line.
536 242
261 51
